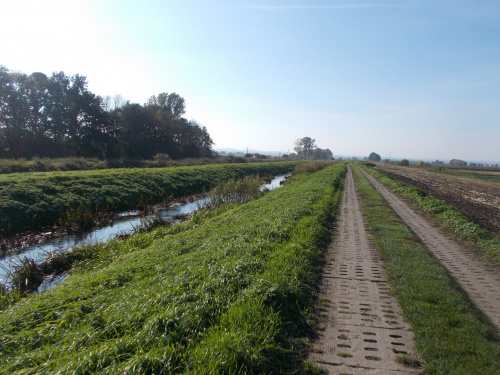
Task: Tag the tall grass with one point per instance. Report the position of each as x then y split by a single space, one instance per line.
311 167
234 191
228 292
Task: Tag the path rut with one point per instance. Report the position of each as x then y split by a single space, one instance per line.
362 330
479 281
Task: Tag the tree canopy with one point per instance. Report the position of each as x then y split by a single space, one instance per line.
374 157
306 148
58 116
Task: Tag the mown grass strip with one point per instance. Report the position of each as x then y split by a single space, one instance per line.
30 201
450 336
449 216
227 293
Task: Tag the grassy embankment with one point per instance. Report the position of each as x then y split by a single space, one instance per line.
77 163
450 336
228 292
34 200
449 216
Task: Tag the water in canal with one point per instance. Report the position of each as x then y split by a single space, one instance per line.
126 222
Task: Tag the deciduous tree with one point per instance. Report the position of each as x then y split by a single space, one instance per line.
304 147
58 116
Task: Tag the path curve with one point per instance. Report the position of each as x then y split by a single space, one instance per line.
479 281
362 330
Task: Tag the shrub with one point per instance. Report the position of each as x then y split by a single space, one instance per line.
404 163
161 159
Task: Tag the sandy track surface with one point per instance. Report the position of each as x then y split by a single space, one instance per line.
480 282
362 330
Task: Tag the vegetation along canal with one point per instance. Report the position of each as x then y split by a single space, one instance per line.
125 223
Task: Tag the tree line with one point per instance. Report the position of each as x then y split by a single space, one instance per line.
58 116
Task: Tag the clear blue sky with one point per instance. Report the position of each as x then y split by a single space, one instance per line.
415 79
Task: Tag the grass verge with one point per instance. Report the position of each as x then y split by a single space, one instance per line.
227 293
450 336
449 216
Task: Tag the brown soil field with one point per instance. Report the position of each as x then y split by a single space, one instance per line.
479 200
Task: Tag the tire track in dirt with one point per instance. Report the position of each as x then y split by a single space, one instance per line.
362 330
480 282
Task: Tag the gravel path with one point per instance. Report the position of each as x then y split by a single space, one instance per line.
480 282
362 330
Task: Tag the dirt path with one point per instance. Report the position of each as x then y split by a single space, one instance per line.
362 329
480 282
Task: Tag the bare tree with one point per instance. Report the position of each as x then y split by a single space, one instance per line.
118 101
106 103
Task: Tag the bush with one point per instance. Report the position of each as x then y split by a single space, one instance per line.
422 164
161 159
235 159
404 163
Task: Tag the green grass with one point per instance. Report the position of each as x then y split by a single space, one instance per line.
450 336
313 166
76 163
30 201
449 216
486 176
229 292
344 355
26 275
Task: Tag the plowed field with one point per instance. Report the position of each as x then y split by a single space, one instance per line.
478 200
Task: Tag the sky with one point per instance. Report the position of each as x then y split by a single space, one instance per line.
407 79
